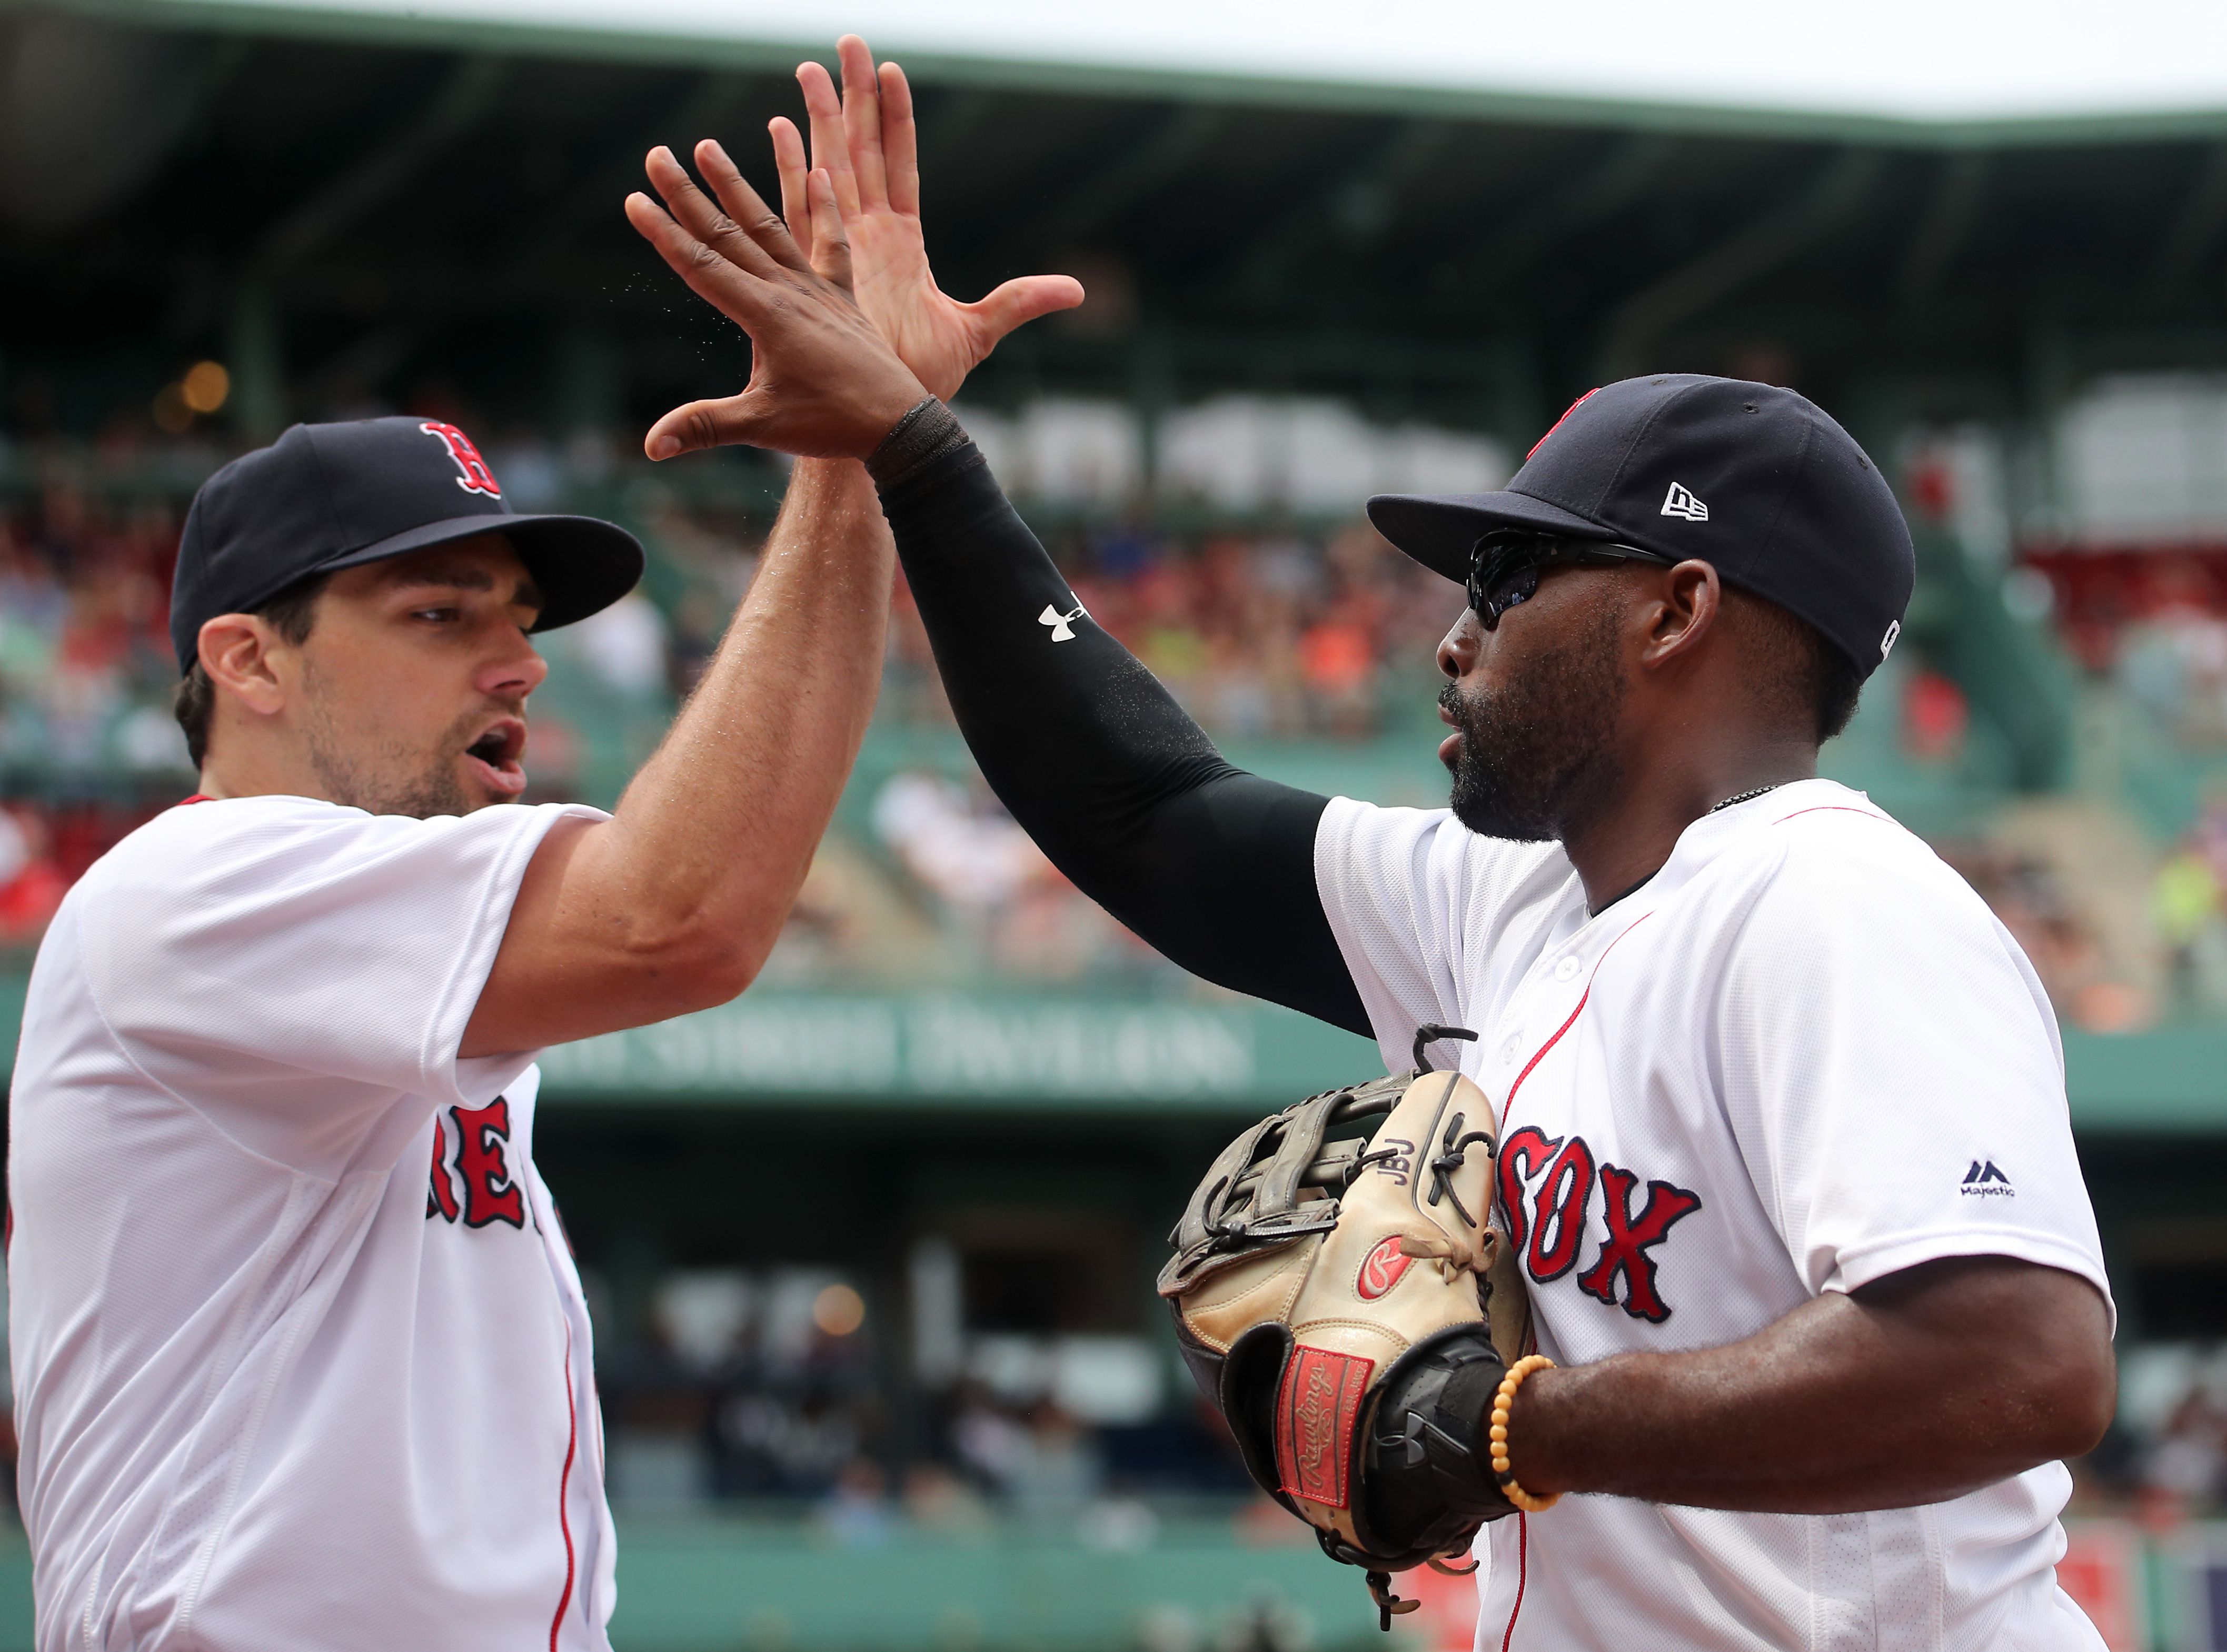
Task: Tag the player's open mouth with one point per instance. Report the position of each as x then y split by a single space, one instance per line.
494 756
1449 748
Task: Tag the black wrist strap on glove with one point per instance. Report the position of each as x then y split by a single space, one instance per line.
1429 1477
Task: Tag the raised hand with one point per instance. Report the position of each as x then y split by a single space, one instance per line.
824 383
866 143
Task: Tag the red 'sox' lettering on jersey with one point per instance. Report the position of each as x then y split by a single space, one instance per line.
477 478
1316 1408
1557 1179
1382 1268
1558 1214
489 1193
1629 1239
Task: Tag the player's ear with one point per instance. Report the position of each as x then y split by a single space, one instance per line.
1684 607
235 651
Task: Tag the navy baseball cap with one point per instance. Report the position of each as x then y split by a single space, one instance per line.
324 497
1756 480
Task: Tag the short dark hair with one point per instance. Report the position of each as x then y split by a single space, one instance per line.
1802 670
291 613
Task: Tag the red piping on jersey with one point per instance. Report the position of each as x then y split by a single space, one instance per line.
564 1485
1522 1528
198 797
1522 1545
1508 1100
1831 808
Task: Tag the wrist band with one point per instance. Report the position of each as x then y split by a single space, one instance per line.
1502 1402
928 432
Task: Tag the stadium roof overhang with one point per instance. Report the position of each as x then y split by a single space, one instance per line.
1922 73
1468 224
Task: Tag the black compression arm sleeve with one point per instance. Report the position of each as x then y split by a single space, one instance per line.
1210 864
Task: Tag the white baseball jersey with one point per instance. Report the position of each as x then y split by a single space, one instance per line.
300 1355
1802 1055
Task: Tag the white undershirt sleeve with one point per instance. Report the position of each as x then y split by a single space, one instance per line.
1892 1068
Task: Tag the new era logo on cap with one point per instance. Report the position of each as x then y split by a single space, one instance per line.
1680 501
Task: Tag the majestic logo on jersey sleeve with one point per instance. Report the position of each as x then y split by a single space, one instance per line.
476 477
1984 1180
482 1168
1546 1187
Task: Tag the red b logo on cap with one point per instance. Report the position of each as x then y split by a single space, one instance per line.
477 478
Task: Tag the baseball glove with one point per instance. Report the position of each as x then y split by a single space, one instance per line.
1348 1308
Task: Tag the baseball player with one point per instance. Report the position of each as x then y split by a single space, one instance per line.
1785 1161
300 1355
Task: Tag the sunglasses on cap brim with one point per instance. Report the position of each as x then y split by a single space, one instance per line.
1505 567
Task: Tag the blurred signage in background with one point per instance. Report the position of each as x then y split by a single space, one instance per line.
2102 1571
981 1047
2202 1597
1447 1621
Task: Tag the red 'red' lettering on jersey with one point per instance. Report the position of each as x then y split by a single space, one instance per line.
490 1195
441 1198
477 478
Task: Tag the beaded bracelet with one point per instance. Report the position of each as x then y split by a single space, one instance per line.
1502 1402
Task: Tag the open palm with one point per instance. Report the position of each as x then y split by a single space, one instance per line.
866 142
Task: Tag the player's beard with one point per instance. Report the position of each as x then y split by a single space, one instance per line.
389 776
1537 758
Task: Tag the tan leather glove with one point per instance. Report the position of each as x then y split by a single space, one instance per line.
1349 1307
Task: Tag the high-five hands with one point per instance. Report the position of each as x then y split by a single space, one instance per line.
865 144
848 329
824 384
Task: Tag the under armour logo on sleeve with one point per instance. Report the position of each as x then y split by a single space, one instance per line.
1062 625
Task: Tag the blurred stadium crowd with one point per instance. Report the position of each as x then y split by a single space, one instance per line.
1271 625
